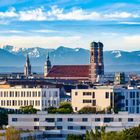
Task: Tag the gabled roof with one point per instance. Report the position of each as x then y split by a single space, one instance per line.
69 71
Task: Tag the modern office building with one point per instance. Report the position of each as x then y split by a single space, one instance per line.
58 126
39 98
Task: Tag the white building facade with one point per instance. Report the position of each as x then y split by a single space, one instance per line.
39 98
60 125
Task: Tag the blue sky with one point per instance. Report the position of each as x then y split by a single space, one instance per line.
71 23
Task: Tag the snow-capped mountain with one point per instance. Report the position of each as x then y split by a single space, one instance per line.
115 60
117 53
33 52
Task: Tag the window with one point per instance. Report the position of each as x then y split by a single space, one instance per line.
108 119
86 101
120 119
49 119
36 127
59 127
130 119
56 94
137 102
14 120
97 119
36 119
86 93
70 127
70 119
76 93
39 94
107 95
137 94
49 127
93 95
94 103
131 94
83 127
59 119
126 102
137 109
84 119
133 102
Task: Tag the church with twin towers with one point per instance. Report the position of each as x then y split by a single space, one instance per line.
80 73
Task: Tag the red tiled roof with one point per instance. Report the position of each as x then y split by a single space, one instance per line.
69 71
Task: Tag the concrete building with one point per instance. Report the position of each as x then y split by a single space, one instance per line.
120 98
58 126
40 98
27 67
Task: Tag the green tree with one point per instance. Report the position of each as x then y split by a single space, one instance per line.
64 108
87 110
87 135
28 109
52 110
66 105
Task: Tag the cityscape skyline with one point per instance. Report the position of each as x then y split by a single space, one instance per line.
50 24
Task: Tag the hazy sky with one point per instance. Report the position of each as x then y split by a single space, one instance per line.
71 23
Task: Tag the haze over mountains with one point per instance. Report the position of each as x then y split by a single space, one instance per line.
13 59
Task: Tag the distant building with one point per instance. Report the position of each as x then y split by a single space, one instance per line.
119 78
58 126
80 72
39 98
27 67
47 66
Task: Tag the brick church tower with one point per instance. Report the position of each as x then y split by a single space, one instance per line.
96 61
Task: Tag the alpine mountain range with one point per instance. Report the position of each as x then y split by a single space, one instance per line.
13 59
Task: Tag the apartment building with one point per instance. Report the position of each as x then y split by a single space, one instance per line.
120 98
40 98
60 125
99 98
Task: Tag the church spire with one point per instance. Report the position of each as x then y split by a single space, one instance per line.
27 66
48 57
47 66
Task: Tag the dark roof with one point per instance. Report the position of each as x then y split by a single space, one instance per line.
69 71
